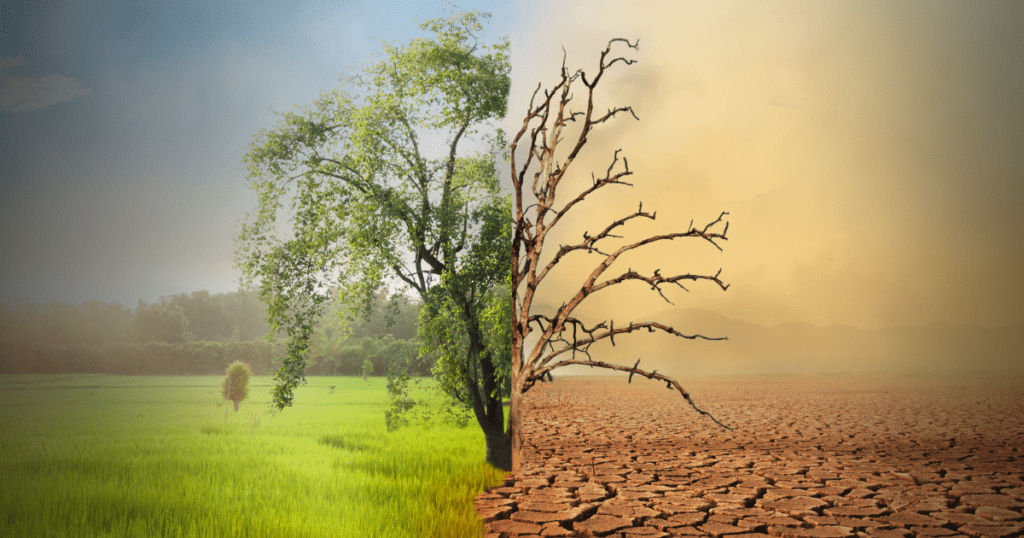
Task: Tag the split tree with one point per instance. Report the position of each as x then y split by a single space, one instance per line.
369 208
566 338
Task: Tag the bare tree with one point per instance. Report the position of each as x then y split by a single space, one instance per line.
528 244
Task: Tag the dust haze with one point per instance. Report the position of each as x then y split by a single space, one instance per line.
869 157
866 154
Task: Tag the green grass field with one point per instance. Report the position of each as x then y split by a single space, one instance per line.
142 456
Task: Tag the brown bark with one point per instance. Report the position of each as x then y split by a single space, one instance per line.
515 422
515 428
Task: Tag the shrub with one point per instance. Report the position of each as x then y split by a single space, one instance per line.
235 386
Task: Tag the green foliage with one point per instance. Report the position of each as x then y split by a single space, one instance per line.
94 323
443 334
200 317
227 316
95 338
235 386
368 210
496 319
367 368
335 333
405 406
349 357
152 358
161 322
401 402
396 316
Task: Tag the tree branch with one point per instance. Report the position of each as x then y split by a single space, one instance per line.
588 242
608 179
584 344
670 383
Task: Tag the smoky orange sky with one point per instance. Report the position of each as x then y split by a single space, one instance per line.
869 156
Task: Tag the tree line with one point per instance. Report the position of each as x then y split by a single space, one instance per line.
193 334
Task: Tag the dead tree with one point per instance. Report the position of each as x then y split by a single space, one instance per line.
530 234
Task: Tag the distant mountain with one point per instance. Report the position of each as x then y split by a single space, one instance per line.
802 347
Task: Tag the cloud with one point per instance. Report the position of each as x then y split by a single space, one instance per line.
23 93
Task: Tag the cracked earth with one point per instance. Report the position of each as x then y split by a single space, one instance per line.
810 457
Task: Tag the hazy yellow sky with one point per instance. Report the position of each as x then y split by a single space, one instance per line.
869 155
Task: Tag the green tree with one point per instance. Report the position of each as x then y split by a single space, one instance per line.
235 386
206 317
161 322
246 315
107 324
371 209
367 368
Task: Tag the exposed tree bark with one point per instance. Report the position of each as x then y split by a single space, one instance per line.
532 365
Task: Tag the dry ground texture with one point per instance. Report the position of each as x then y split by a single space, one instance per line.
811 457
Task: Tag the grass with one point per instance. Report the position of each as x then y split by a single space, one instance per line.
127 456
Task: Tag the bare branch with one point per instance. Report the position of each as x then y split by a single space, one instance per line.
588 242
556 335
598 183
656 281
670 383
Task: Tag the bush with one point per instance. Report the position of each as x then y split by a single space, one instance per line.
235 386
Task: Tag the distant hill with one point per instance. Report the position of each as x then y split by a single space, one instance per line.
941 348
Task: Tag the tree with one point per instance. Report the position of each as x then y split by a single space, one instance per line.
207 320
532 365
161 322
246 315
371 210
107 324
367 368
235 386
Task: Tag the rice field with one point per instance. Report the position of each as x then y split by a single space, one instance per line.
129 456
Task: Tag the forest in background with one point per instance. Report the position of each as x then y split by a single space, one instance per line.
197 334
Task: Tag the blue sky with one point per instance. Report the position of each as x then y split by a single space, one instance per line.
124 124
869 153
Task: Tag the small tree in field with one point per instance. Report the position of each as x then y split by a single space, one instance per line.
367 368
235 386
564 339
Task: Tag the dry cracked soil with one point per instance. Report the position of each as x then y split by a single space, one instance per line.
810 457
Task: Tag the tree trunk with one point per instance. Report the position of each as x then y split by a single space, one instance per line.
485 403
515 428
236 405
499 450
515 410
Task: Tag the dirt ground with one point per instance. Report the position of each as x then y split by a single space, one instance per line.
879 456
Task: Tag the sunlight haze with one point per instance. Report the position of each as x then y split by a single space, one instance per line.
868 154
